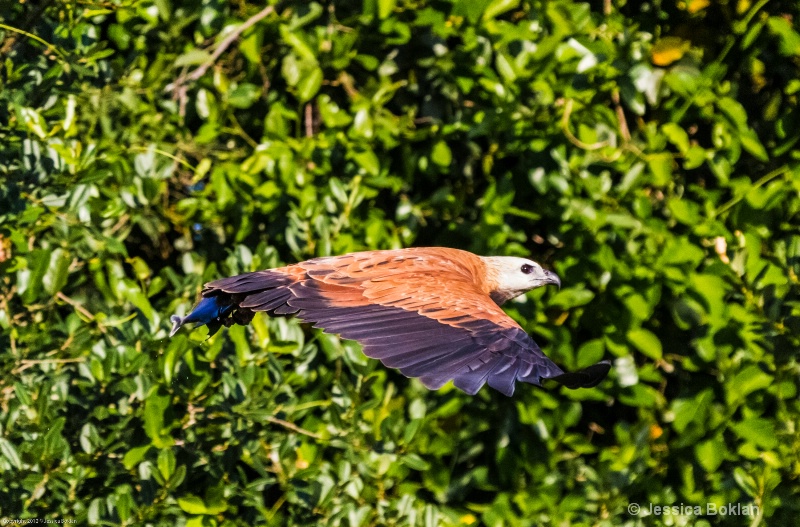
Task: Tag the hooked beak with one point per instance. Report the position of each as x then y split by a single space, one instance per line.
552 278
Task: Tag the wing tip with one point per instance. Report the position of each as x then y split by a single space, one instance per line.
588 377
433 382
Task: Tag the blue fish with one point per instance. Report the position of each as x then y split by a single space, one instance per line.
211 311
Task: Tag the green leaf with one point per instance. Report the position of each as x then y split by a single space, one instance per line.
752 144
498 7
138 298
661 168
22 394
367 160
166 463
244 95
9 451
193 57
677 136
385 8
571 298
134 456
646 342
747 381
309 82
788 37
685 211
710 454
415 462
441 154
297 43
691 410
29 281
251 44
745 481
55 278
155 422
590 353
194 505
757 430
34 122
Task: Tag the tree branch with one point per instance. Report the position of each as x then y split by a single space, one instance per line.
221 47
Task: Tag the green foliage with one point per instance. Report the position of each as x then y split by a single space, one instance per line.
648 153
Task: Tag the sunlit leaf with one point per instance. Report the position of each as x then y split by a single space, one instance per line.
668 50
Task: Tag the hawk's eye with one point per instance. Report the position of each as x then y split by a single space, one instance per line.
527 269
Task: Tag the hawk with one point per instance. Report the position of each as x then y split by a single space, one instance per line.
431 312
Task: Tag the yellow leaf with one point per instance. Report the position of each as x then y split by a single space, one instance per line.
743 6
468 519
655 432
693 6
668 50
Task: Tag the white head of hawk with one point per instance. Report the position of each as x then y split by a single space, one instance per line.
513 276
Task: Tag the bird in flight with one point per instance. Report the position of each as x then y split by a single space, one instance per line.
431 312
